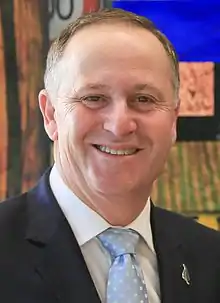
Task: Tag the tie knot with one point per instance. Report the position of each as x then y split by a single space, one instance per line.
119 241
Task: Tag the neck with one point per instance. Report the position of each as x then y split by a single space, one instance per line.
119 213
117 210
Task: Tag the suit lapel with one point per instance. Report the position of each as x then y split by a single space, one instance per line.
173 266
55 251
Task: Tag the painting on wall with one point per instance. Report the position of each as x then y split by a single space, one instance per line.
197 89
200 102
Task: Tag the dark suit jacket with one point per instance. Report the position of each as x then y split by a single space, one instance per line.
41 262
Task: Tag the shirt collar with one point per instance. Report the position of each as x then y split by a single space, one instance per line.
86 223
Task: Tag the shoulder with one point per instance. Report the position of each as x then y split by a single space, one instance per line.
190 232
12 212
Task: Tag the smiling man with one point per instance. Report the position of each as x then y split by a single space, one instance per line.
88 232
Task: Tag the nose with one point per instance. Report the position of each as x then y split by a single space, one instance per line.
120 120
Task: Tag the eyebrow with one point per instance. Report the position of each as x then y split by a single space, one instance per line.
95 86
138 87
151 87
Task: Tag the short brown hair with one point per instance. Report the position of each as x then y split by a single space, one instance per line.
118 15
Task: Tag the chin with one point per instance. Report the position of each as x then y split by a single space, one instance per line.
114 186
112 191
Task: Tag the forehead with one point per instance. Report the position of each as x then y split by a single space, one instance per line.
122 50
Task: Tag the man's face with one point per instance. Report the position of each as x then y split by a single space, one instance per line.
115 113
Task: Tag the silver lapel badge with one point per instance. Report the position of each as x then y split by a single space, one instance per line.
185 275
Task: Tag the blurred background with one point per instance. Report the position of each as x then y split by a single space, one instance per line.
190 183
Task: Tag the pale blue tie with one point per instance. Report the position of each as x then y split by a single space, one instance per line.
125 281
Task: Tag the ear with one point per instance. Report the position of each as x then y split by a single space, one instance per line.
48 113
174 128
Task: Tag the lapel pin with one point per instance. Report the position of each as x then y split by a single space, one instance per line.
185 275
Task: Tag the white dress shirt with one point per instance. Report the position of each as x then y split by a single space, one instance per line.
86 224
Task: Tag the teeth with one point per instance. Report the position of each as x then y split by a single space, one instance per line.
120 152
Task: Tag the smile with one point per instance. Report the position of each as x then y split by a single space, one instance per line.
117 152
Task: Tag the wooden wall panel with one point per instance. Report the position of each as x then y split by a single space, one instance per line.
3 119
24 35
30 39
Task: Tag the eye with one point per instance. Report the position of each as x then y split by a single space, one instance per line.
94 101
144 99
143 102
92 98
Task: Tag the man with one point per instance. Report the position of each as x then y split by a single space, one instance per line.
110 106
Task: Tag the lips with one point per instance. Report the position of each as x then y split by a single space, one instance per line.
116 152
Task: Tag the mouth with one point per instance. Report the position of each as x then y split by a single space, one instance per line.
116 152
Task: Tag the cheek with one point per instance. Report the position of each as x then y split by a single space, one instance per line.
78 125
163 124
159 130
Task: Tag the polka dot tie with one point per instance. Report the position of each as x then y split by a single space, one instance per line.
125 281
